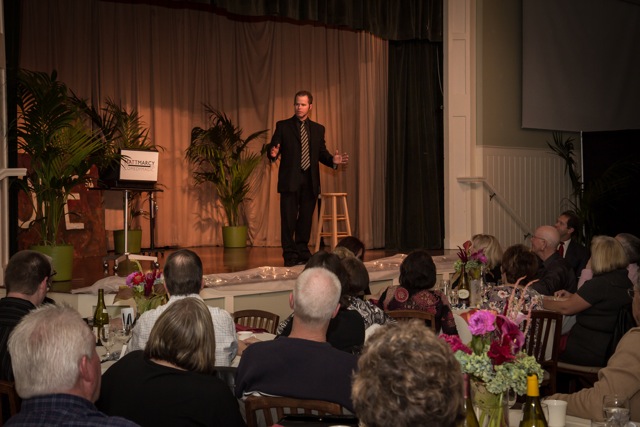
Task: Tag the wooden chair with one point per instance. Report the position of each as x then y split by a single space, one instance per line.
8 395
543 343
257 319
403 315
269 405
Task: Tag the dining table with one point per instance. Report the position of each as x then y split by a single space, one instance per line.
515 416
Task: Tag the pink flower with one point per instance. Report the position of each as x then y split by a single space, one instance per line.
455 343
482 322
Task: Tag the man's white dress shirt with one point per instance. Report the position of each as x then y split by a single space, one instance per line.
225 330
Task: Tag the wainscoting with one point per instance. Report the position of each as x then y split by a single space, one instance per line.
530 183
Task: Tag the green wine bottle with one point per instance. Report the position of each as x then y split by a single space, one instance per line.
464 290
532 414
470 416
100 316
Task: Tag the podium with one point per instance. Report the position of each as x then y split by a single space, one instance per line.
126 256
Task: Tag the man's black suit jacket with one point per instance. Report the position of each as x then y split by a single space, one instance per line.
577 255
287 134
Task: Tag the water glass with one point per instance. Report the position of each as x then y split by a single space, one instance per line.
445 287
453 297
615 409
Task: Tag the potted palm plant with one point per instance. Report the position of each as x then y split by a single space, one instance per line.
219 155
61 151
120 128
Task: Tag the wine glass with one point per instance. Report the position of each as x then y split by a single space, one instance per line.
453 297
108 339
615 409
446 287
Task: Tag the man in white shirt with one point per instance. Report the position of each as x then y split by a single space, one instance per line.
577 255
183 279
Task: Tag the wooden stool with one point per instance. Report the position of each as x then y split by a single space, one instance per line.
334 217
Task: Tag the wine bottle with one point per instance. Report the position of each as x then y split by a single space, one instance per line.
464 291
470 416
100 316
532 414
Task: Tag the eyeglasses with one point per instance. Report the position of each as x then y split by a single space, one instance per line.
49 279
536 237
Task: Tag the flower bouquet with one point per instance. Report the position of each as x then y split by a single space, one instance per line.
146 289
495 362
472 262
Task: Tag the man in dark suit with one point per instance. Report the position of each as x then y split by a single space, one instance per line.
300 143
577 255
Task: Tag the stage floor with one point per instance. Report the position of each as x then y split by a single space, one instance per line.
215 259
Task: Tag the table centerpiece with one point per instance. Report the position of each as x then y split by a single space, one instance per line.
495 363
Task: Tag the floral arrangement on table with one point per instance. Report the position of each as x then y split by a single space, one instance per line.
472 262
494 361
146 289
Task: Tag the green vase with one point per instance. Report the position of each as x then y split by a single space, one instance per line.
234 236
492 409
61 260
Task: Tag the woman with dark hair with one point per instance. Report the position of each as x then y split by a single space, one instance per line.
354 245
519 267
346 329
171 381
415 292
358 287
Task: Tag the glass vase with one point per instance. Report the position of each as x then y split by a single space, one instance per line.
492 409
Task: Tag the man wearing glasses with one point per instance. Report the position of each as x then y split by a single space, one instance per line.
555 272
27 279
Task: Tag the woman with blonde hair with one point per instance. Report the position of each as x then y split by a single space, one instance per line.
171 381
596 304
493 251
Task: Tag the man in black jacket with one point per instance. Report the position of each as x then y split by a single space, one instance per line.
301 145
577 255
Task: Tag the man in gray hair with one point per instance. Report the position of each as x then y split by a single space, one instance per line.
57 370
303 365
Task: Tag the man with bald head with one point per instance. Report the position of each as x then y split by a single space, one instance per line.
303 365
555 272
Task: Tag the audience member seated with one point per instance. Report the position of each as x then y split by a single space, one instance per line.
27 278
415 292
57 371
568 224
183 279
346 329
302 365
407 377
357 287
491 249
596 304
621 376
631 245
519 268
171 382
354 245
555 273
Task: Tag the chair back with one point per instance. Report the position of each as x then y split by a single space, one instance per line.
257 319
269 405
9 400
543 343
403 315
